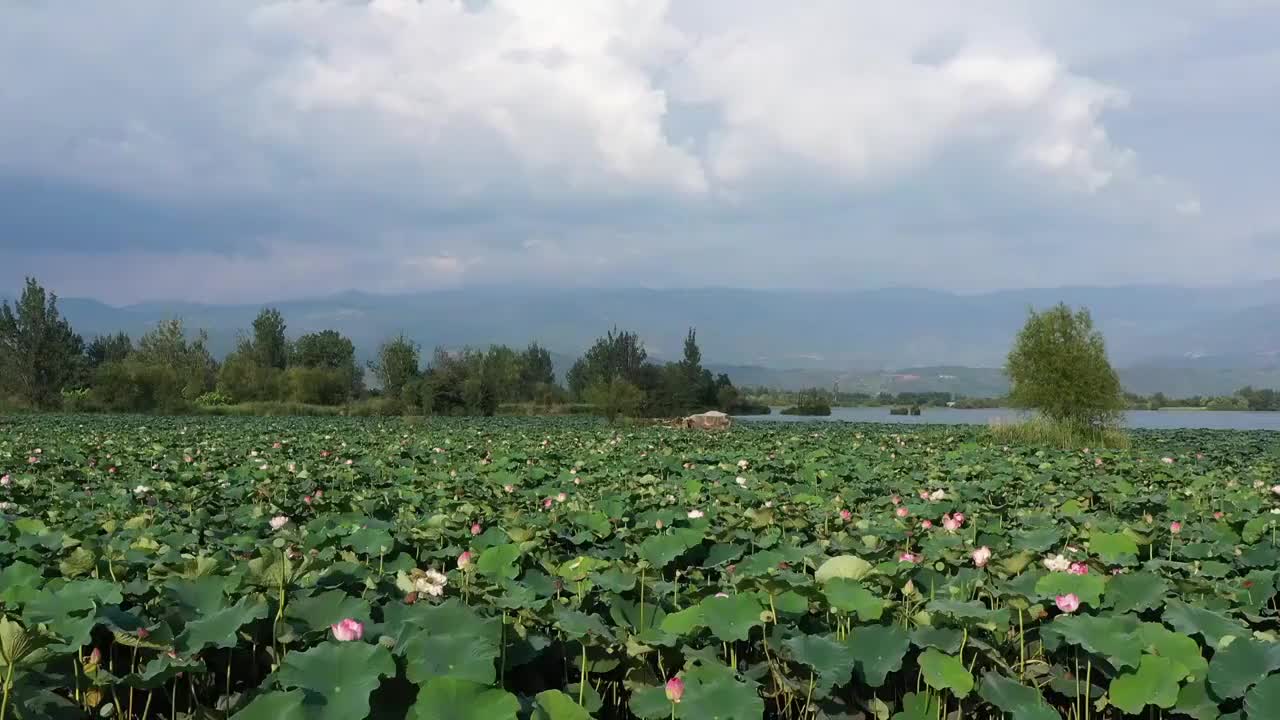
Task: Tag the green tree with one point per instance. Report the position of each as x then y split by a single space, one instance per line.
614 397
396 366
270 348
39 352
1059 367
167 346
536 372
108 348
329 350
619 354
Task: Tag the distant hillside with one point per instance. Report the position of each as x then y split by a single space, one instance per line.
1211 337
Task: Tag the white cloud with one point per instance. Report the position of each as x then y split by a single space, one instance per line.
463 141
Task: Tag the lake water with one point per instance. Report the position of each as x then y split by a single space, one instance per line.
1149 419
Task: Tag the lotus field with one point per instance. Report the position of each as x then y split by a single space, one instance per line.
278 569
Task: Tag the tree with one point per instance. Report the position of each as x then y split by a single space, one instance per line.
1059 366
39 352
167 346
614 397
396 366
619 354
270 348
536 372
108 348
328 350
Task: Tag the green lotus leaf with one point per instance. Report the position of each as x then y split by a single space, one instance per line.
337 678
945 672
453 655
1155 682
1212 626
850 567
443 698
831 660
878 650
850 596
1135 592
555 705
218 629
730 619
1240 664
318 612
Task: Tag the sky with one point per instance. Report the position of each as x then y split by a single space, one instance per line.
249 151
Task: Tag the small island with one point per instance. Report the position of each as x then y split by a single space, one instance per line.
812 402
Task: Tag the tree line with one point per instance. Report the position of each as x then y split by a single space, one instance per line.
45 364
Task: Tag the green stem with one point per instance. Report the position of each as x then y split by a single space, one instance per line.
582 682
8 681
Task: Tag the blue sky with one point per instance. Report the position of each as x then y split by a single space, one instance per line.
237 150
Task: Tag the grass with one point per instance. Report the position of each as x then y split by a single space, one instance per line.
1043 431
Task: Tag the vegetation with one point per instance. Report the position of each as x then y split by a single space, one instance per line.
39 353
1041 431
813 402
1058 366
329 567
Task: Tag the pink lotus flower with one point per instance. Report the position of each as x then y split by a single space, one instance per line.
958 517
924 494
1097 462
464 560
1068 603
981 556
1175 527
509 488
33 460
675 689
275 445
307 499
902 512
1078 568
143 633
187 459
476 529
95 657
926 524
547 503
896 500
950 524
347 630
907 557
5 481
1217 515
562 497
319 494
845 515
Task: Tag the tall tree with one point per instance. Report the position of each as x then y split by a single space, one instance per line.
166 346
108 348
39 352
270 348
329 350
536 371
396 366
619 354
1059 366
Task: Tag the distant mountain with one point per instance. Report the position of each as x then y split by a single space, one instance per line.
858 333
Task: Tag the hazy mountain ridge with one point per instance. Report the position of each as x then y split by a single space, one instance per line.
796 338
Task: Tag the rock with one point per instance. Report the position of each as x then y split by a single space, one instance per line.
710 420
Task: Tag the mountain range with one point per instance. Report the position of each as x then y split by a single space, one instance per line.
1175 340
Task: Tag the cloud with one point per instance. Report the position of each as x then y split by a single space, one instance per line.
439 142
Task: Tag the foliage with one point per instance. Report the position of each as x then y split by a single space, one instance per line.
139 557
39 352
813 401
108 348
269 348
614 397
1043 431
1058 366
619 354
396 367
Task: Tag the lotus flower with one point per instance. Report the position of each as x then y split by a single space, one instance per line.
1068 603
547 503
476 529
937 495
742 482
5 481
509 488
896 499
347 630
1057 564
981 556
1167 461
742 464
902 512
1175 527
695 514
1078 568
675 689
464 560
1217 515
562 497
279 521
926 524
141 490
845 515
958 517
950 524
1275 489
908 558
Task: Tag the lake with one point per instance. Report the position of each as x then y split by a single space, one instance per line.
1148 419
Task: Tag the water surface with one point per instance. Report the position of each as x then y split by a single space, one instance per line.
1148 419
